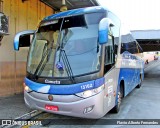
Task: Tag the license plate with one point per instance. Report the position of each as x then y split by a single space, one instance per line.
51 107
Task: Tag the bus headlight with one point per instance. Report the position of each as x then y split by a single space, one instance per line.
92 92
87 93
26 88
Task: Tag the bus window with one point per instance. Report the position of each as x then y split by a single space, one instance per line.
109 53
130 44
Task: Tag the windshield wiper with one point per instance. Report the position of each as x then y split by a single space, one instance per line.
64 56
67 65
42 63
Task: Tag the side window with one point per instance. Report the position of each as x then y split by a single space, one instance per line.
115 30
129 45
111 48
115 35
109 54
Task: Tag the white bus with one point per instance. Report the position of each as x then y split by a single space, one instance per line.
79 64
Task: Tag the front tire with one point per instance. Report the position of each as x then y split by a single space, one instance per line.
120 97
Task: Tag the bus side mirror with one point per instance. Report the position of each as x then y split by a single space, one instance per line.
104 26
22 39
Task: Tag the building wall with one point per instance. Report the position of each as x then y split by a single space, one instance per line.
22 16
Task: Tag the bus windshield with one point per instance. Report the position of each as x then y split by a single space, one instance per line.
66 46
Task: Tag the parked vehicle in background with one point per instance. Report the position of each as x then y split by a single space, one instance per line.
155 57
149 56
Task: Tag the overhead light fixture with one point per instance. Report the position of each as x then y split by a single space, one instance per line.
64 6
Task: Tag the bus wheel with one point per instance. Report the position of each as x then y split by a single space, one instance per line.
120 96
140 83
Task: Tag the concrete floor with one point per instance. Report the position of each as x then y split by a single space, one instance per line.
12 107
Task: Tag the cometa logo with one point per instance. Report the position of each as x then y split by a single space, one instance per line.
52 82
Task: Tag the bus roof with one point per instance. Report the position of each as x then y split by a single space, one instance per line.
75 12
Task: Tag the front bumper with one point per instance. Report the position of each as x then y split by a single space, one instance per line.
70 105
